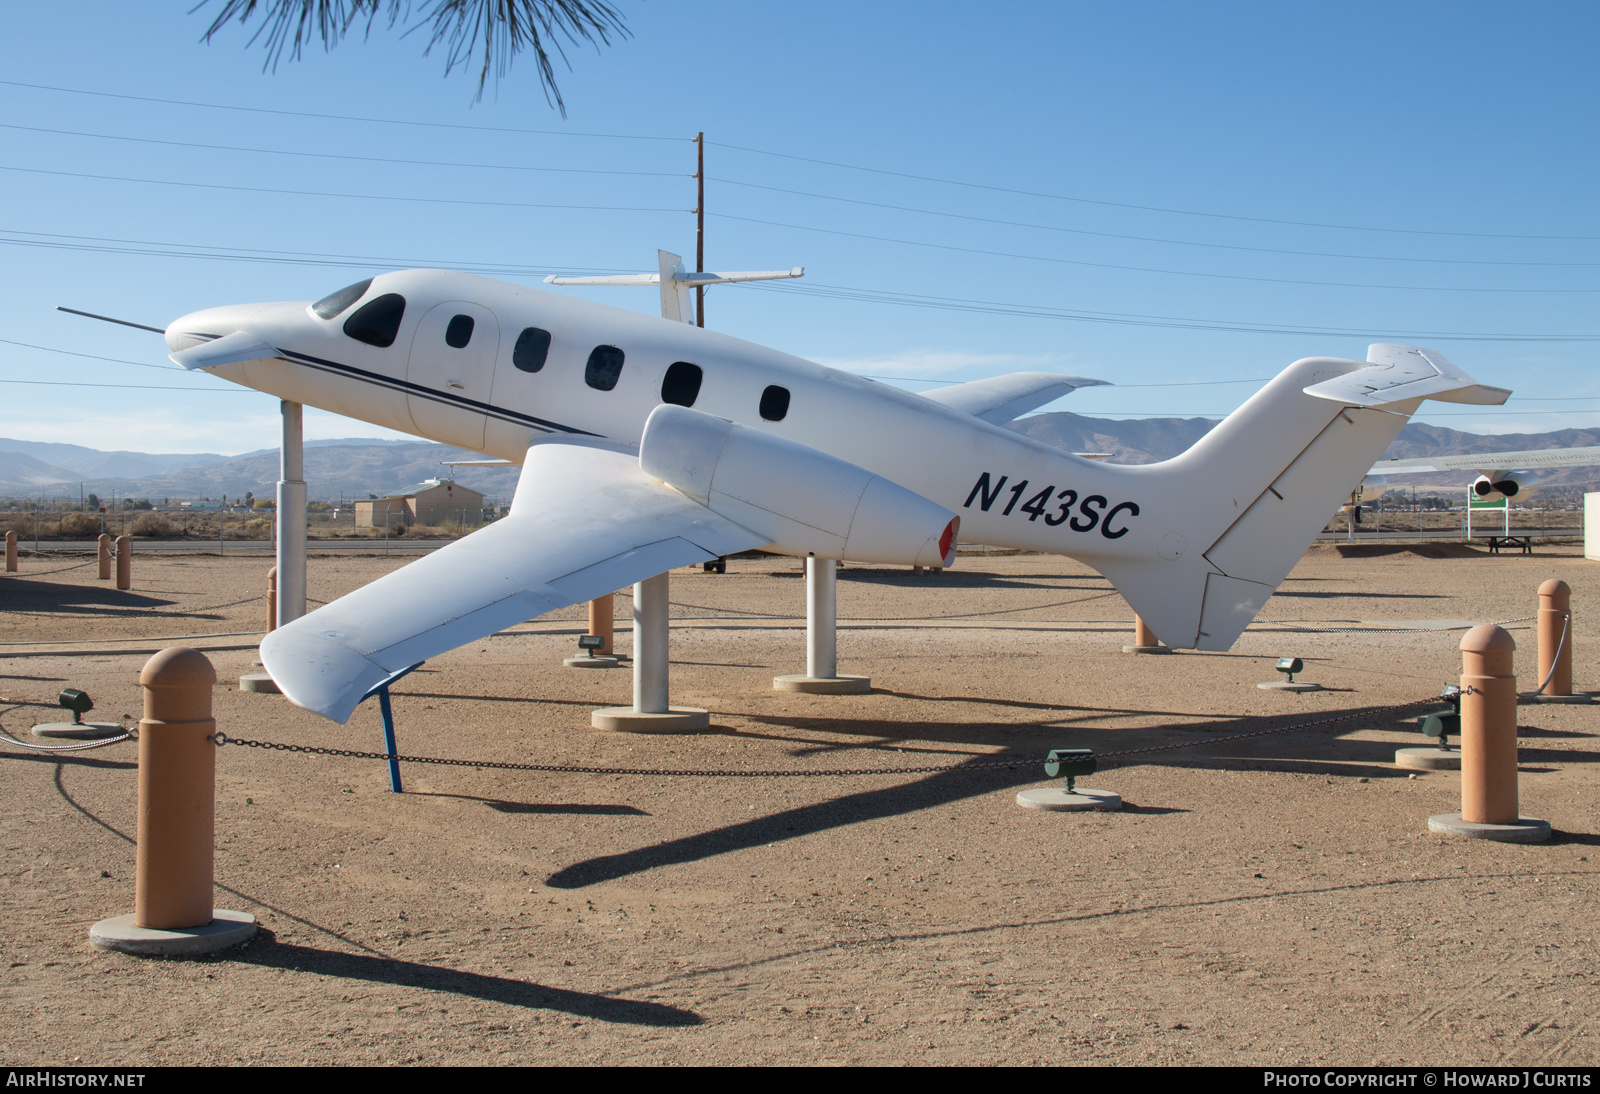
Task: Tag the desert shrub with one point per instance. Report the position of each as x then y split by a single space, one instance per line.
79 524
153 524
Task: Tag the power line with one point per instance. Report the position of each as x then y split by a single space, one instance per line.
342 156
1135 319
1133 269
1143 239
1144 208
94 357
342 117
325 194
138 387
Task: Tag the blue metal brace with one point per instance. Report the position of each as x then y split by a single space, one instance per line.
387 713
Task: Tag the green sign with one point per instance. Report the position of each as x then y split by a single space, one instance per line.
1475 502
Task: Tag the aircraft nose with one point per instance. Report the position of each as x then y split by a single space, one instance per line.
209 323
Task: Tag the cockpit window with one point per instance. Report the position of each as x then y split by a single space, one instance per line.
334 303
533 346
377 322
459 332
605 365
774 403
681 385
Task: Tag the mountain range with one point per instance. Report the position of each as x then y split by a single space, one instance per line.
356 467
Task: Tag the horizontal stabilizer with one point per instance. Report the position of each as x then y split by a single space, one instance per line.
585 522
1000 399
1396 373
230 349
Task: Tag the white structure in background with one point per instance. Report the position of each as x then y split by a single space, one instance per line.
647 444
1591 526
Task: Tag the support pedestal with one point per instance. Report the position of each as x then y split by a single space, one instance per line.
672 720
1056 799
226 929
1526 830
823 685
1428 759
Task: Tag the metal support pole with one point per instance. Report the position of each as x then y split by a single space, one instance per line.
650 619
387 713
822 618
292 517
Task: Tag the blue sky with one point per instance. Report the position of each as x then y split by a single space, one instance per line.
1178 198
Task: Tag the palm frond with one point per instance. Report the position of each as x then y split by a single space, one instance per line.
485 33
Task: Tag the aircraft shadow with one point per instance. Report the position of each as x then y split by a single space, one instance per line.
267 952
98 599
1346 759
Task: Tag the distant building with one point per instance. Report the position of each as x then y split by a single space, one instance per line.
431 502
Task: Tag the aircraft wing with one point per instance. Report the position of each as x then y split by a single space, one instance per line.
585 521
1491 461
999 399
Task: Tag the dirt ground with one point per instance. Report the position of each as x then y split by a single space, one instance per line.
1275 901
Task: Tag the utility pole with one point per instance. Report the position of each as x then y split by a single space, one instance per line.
700 228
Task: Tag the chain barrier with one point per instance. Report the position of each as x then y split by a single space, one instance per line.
84 746
220 739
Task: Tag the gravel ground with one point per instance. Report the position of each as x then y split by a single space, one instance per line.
1274 901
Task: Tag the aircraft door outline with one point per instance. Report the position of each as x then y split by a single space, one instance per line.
450 372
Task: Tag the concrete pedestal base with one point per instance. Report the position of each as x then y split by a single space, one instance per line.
1575 697
79 731
1428 759
1526 830
1284 685
628 720
225 929
599 661
260 682
823 685
1146 649
1055 799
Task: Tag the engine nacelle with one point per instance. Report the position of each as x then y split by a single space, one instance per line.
1505 484
804 500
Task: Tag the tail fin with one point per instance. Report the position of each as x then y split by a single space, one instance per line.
1273 471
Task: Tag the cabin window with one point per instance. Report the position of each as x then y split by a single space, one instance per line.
459 332
377 322
334 303
774 403
681 385
605 365
533 346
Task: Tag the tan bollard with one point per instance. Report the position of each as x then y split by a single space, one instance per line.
602 621
11 552
1142 634
105 557
124 562
1144 639
272 599
177 792
1555 632
173 856
1489 806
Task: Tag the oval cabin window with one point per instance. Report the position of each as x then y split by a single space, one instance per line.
681 385
533 346
775 403
377 322
459 332
605 365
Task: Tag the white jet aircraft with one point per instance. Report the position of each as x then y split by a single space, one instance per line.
648 444
1500 474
